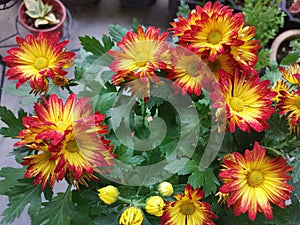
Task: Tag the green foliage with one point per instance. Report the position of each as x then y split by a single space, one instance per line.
263 58
272 73
126 155
61 211
293 211
14 123
295 45
10 181
267 19
164 127
296 164
135 24
290 58
206 180
91 44
265 16
117 32
21 194
183 9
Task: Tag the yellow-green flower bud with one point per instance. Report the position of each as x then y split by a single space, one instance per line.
154 205
131 216
108 194
165 189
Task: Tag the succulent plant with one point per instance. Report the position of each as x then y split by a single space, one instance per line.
40 12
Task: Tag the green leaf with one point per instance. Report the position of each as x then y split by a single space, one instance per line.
280 216
10 181
189 167
135 25
126 155
272 73
91 44
122 111
230 218
22 194
14 123
117 32
205 179
296 164
61 211
154 101
293 209
20 91
290 59
110 219
183 9
105 101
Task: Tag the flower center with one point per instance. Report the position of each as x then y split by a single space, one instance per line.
141 59
255 178
298 102
214 37
187 208
215 66
192 69
41 63
237 104
72 146
61 125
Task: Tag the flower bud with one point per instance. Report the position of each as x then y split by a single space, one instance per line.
108 194
165 189
154 206
131 215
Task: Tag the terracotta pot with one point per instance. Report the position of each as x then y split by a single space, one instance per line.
57 6
285 36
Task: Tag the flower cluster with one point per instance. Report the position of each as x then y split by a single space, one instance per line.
188 133
66 141
288 96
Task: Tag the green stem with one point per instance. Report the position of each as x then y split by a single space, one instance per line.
276 152
131 202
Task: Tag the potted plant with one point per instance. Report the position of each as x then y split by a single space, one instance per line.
280 47
42 16
148 131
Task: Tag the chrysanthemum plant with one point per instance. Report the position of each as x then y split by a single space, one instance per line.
151 127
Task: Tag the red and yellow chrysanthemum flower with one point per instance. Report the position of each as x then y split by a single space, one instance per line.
289 104
67 140
181 25
141 55
214 30
254 181
224 62
213 33
37 59
246 99
189 72
187 209
280 87
291 73
246 54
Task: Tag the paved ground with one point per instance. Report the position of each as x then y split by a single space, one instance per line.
90 21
